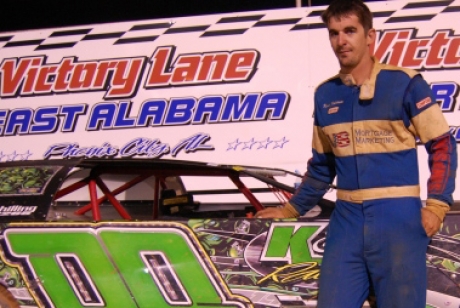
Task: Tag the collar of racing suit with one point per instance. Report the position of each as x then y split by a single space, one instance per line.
366 90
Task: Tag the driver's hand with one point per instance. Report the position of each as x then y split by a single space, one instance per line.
432 215
285 211
431 223
271 212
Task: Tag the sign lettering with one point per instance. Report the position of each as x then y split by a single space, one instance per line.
293 242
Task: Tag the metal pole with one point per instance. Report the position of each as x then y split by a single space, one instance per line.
298 3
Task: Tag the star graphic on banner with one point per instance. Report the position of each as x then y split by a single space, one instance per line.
26 155
249 144
233 145
12 156
280 143
264 143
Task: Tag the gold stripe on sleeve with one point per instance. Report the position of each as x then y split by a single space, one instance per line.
430 123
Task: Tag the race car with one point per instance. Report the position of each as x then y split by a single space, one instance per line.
154 233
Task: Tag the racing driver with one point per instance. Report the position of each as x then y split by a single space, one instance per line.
368 120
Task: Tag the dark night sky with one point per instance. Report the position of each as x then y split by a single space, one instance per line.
26 14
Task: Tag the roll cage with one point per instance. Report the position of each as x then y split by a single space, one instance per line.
98 170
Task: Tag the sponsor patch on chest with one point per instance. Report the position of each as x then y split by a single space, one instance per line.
333 110
341 139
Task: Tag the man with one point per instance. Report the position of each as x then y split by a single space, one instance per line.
366 123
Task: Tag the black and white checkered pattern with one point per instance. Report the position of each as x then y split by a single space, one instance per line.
225 26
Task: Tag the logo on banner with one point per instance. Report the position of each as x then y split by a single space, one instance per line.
142 147
402 47
120 77
151 113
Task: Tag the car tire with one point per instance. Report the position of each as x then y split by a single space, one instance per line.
7 299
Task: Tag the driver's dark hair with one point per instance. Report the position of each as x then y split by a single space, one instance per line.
342 8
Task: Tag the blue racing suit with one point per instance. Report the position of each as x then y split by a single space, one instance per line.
367 136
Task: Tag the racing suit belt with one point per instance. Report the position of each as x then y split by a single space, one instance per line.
360 195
